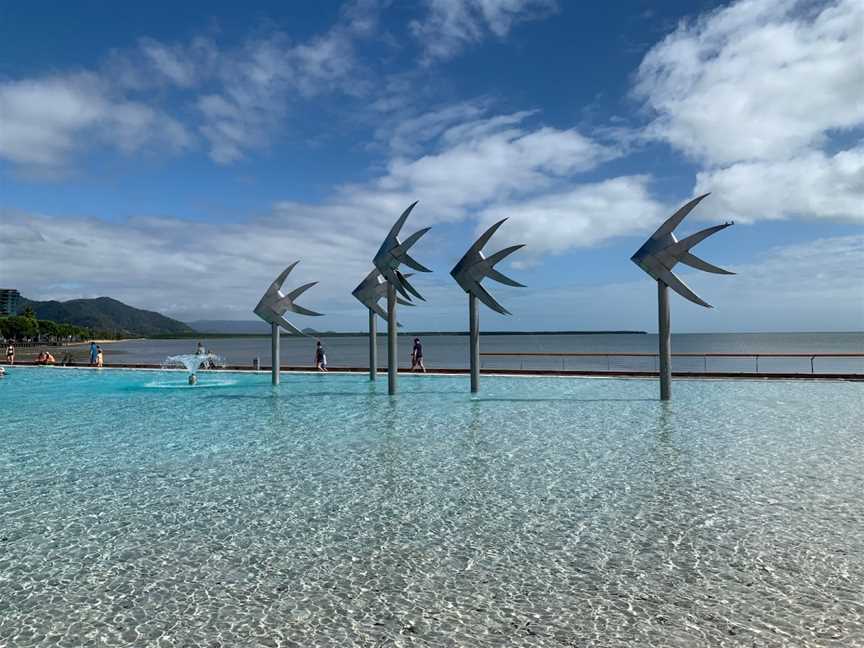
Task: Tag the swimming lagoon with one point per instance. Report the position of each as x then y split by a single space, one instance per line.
138 511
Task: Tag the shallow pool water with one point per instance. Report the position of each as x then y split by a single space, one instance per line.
138 511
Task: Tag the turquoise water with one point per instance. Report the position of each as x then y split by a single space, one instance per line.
138 511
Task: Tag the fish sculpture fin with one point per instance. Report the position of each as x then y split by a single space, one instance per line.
277 284
294 294
288 326
493 274
407 286
675 219
670 279
493 259
394 231
700 264
481 242
305 311
413 263
684 245
483 295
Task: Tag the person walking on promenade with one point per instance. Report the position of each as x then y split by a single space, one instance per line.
10 354
320 357
417 356
93 352
100 357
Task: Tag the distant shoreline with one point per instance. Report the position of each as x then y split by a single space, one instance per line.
332 334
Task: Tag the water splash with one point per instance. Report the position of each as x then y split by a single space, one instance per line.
193 362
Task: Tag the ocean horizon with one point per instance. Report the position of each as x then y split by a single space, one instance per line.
450 350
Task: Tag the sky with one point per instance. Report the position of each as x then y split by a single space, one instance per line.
178 156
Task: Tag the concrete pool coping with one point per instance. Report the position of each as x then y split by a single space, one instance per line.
546 373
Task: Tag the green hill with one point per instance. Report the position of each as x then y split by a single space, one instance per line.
106 314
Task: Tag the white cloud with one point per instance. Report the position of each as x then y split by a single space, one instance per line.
240 96
410 134
811 185
47 119
758 92
477 166
760 79
450 25
493 159
157 264
174 266
584 216
812 286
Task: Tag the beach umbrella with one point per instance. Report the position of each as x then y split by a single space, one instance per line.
369 292
389 257
272 308
472 269
657 256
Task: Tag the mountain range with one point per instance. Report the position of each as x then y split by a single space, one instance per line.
106 314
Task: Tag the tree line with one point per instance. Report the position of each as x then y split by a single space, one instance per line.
27 328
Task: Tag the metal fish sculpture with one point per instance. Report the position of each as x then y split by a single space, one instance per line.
394 252
475 266
372 289
272 308
274 304
472 269
659 254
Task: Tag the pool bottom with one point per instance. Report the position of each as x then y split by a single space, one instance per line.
323 512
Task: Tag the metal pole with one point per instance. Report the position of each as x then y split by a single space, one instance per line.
392 359
274 352
665 341
474 351
373 345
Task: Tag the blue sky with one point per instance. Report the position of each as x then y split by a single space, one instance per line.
178 157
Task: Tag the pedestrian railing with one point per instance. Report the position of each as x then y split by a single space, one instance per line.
635 362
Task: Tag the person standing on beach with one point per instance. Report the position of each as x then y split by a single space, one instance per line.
93 352
320 357
10 354
417 356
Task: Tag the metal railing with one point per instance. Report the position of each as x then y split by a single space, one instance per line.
613 365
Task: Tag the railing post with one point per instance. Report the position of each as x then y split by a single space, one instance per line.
811 364
705 358
757 363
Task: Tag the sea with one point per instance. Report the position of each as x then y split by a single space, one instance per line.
451 351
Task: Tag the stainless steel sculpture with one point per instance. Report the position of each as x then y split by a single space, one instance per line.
389 257
272 308
468 273
657 256
369 293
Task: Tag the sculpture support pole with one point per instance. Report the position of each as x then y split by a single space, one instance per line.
392 360
665 335
274 352
474 351
373 346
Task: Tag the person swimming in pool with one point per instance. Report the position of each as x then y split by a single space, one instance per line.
417 356
320 357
